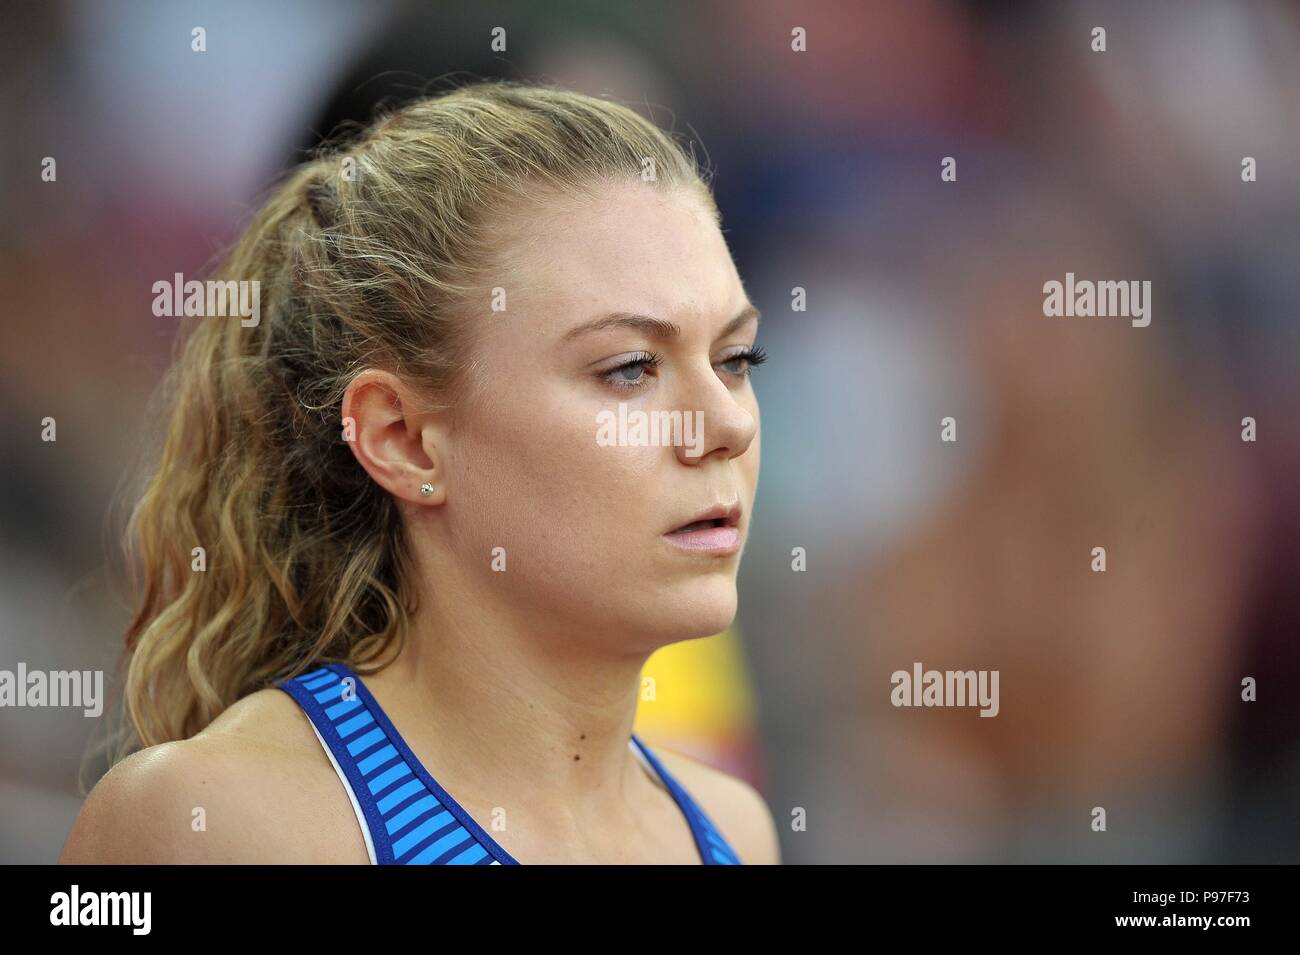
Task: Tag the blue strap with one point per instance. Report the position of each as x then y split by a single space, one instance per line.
411 819
714 849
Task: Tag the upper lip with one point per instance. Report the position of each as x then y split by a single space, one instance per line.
728 514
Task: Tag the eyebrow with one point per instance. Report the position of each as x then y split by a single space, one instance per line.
654 327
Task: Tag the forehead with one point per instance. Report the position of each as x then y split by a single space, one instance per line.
628 247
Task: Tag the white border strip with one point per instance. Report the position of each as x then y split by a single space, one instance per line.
356 807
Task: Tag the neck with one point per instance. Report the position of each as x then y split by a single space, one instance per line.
497 703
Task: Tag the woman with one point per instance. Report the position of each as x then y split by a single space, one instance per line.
400 575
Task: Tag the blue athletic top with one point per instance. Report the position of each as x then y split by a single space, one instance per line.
405 816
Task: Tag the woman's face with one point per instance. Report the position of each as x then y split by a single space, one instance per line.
580 494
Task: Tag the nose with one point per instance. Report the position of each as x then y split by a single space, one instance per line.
724 427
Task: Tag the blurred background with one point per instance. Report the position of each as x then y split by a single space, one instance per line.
1119 690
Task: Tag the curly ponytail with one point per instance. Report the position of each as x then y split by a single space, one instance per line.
369 256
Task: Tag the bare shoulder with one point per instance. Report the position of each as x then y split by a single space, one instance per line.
736 807
253 787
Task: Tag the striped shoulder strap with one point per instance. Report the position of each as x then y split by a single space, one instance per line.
406 817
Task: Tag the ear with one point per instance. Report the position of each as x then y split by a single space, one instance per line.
400 443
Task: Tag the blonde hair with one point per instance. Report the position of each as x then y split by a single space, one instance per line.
368 255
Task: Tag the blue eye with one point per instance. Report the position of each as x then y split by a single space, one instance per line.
750 356
631 374
619 378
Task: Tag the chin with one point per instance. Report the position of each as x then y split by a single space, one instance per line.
649 618
700 609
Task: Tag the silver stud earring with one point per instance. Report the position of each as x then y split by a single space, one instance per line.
426 489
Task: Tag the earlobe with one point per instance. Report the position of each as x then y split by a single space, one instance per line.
429 494
432 486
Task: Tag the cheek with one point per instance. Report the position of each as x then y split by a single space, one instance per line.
749 461
531 475
752 458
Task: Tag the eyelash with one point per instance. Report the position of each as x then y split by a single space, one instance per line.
751 356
